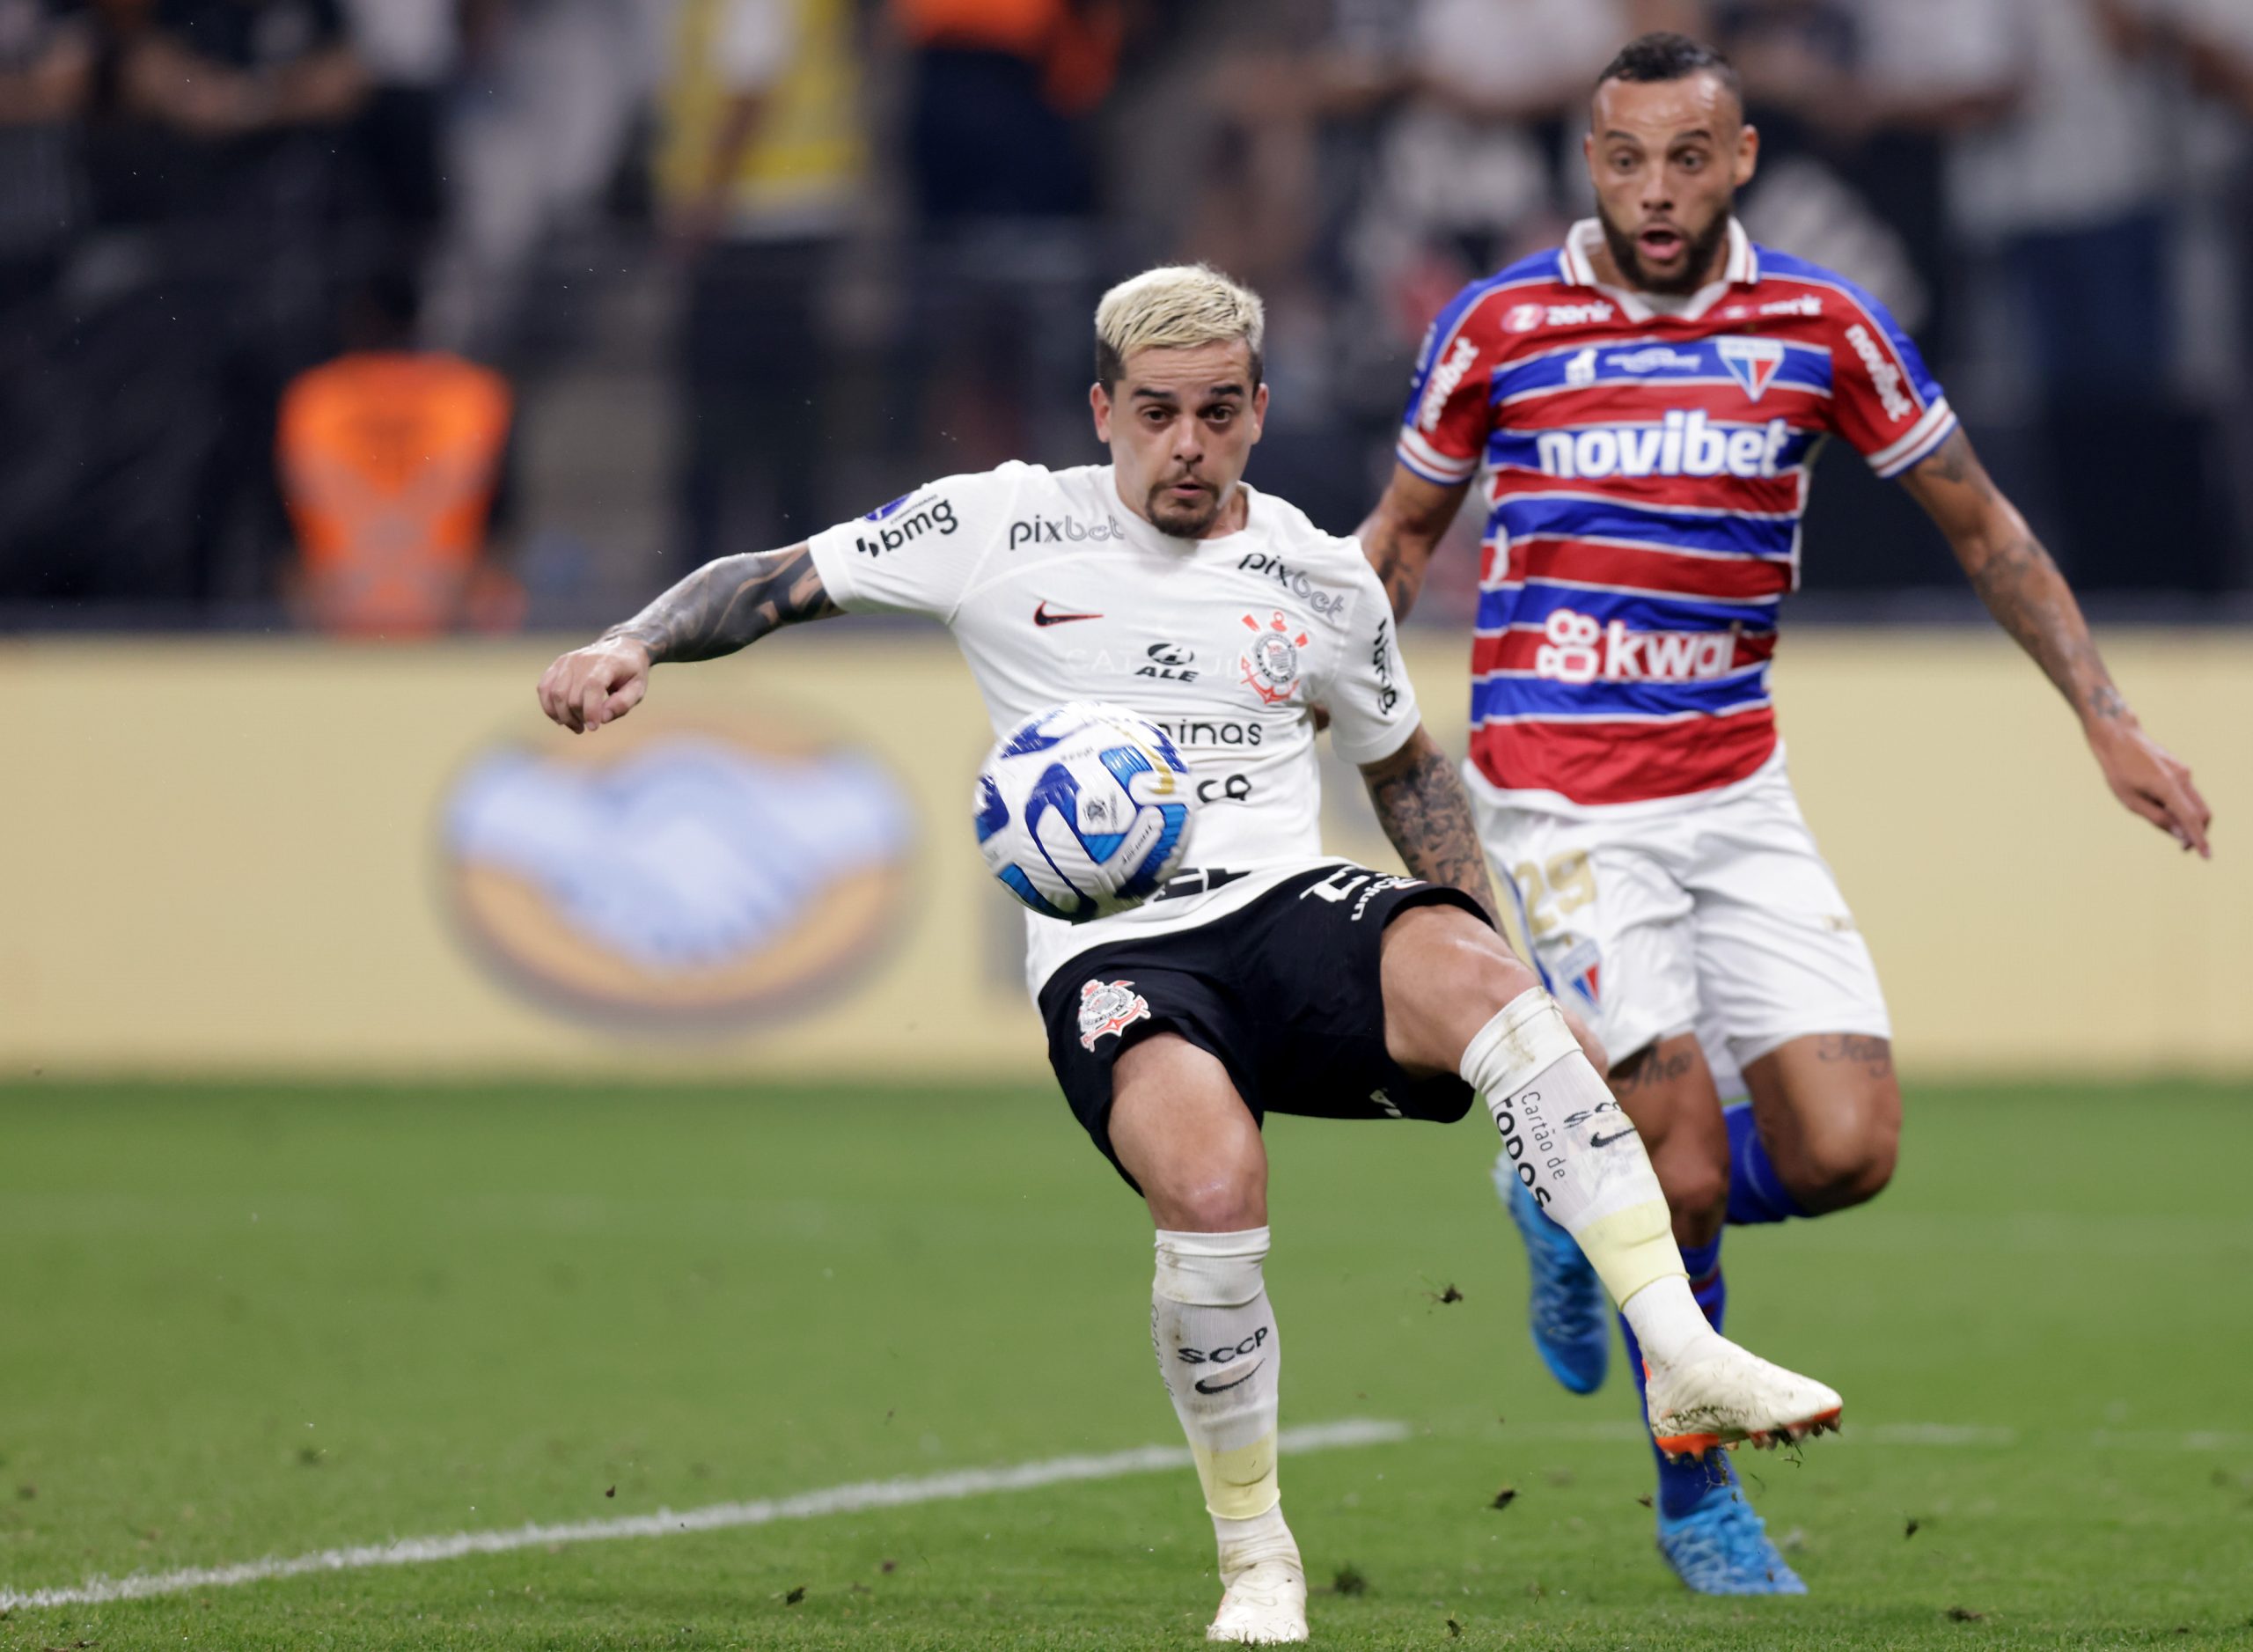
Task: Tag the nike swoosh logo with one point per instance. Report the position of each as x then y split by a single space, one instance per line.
1204 1387
1595 1140
1041 616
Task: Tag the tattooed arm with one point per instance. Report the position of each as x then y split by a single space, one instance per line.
722 607
2031 599
1402 532
1420 803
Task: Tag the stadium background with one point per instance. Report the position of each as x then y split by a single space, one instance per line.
270 837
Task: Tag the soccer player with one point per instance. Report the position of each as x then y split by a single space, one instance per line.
1640 408
1272 978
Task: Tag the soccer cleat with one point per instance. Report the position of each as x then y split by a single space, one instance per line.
1721 1394
1570 1317
1721 1547
1264 1606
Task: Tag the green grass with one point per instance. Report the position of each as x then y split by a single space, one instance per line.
243 1321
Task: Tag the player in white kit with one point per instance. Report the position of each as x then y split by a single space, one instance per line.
1270 976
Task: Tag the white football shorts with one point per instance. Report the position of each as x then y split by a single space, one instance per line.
1719 917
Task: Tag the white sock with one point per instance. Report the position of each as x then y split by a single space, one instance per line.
1215 1334
1580 1156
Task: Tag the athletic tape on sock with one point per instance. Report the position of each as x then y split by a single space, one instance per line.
1571 1146
1214 1331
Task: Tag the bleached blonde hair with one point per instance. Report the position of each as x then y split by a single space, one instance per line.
1175 306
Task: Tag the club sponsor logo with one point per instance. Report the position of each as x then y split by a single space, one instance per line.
1270 661
1230 789
907 522
1657 359
1108 1008
1808 303
1381 662
1752 363
1524 318
1227 1353
1445 376
678 873
1043 616
1063 531
1580 649
1169 661
1580 373
1884 377
1327 604
1210 733
1686 444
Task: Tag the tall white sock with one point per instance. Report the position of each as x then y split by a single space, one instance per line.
1580 1156
1215 1334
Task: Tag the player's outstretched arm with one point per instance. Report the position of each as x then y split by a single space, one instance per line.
2029 598
1421 805
1405 528
724 605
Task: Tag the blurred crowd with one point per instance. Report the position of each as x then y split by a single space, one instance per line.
403 316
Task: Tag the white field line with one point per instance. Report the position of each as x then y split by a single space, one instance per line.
837 1500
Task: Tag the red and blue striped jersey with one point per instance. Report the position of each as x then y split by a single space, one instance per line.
1645 467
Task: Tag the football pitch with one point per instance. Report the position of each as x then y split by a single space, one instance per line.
251 1322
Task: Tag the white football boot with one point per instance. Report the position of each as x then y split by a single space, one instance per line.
1720 1395
1264 1606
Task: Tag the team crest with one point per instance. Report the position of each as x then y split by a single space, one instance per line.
1752 363
1581 969
1109 1007
1270 661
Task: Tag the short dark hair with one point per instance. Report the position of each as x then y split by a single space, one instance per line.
1661 55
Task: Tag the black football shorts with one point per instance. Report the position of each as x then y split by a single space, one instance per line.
1284 992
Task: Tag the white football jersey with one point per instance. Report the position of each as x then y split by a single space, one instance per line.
1056 592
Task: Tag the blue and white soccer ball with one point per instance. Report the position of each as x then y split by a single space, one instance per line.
1083 810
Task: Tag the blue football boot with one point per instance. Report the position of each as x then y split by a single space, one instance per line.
1566 1304
1721 1547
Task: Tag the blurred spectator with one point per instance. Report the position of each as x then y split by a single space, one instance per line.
999 94
762 169
1001 179
413 51
392 459
2070 191
46 72
256 93
536 147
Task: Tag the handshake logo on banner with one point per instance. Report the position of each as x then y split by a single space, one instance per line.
678 873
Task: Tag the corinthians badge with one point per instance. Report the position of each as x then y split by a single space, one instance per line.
1270 661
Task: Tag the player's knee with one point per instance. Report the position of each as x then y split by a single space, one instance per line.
1842 1168
1224 1199
1697 1194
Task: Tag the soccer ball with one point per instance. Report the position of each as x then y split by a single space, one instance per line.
1083 810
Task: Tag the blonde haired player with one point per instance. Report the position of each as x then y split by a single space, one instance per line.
1269 978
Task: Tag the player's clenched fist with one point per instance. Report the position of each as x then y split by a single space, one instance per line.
595 684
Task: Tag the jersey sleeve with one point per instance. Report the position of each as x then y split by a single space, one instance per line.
1371 703
1882 398
919 554
1443 427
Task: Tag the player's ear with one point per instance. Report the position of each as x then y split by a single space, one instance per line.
1259 410
1747 154
1100 401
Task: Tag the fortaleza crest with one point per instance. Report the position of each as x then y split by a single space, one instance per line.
1109 1007
1270 661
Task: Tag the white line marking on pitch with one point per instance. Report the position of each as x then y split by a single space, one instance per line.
837 1500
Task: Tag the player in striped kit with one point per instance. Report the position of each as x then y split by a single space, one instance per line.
1640 409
